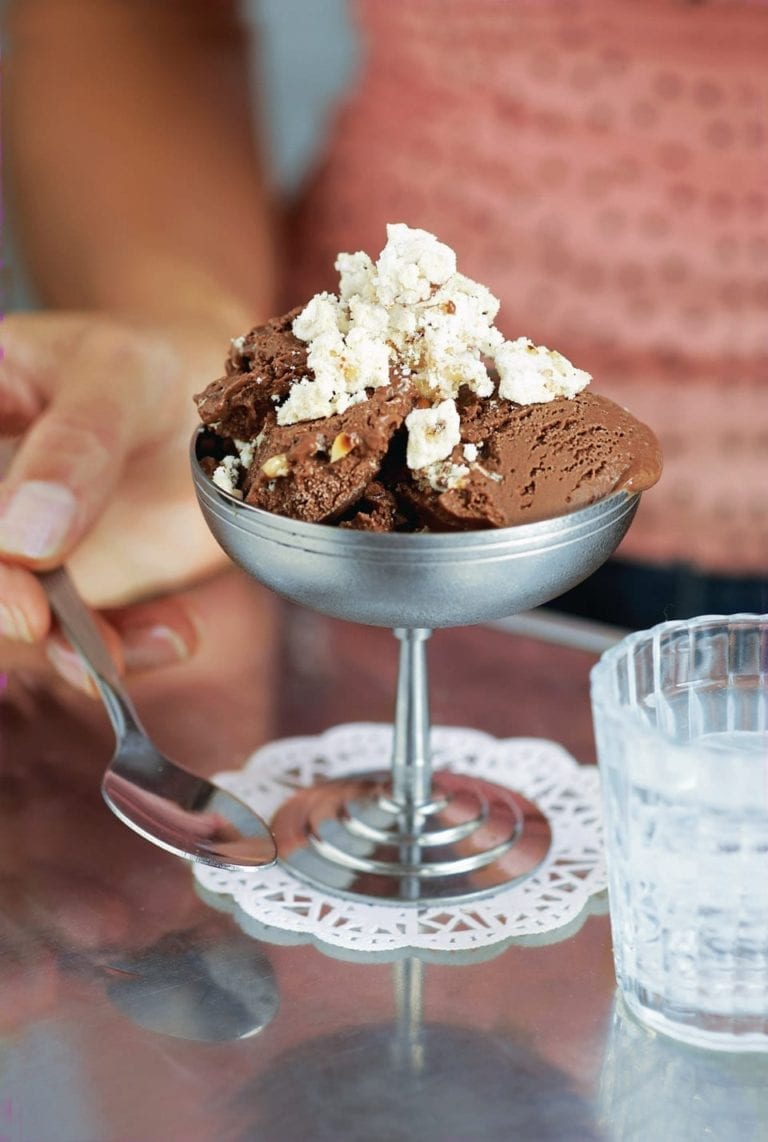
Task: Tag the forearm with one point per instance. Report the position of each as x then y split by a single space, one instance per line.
135 176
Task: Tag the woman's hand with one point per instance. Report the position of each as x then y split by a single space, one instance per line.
102 412
139 197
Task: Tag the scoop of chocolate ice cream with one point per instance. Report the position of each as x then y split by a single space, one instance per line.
317 470
536 461
260 370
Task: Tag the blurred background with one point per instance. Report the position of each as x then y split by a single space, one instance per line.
317 41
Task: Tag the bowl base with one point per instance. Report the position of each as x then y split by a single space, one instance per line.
351 837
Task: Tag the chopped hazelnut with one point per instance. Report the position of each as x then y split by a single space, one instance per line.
342 446
276 466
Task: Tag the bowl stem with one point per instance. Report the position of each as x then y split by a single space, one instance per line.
411 757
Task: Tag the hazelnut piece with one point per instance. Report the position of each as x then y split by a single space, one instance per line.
276 466
342 446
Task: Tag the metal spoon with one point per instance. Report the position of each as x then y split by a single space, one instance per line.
156 797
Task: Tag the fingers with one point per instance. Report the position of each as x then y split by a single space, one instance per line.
37 518
105 395
155 634
21 360
33 347
24 614
100 403
90 393
68 664
143 637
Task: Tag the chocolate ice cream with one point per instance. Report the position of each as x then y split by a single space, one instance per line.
260 369
317 471
536 461
399 406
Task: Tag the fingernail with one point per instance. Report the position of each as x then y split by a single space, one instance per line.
14 624
68 665
146 648
36 519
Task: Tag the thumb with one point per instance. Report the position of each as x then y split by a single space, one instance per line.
99 401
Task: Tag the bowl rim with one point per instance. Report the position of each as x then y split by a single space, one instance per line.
290 530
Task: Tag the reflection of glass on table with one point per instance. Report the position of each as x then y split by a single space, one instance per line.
407 835
654 1088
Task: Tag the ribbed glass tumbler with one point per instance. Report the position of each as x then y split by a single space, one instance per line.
681 721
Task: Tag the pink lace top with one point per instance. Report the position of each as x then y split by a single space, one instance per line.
602 166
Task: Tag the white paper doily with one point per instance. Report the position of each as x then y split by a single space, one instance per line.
554 897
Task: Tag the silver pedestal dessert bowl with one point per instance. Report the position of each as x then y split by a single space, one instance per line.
409 834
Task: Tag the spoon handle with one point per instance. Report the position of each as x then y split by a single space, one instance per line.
79 626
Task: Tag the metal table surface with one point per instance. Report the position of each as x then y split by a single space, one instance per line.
133 1011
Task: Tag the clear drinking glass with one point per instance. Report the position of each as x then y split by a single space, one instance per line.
681 721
